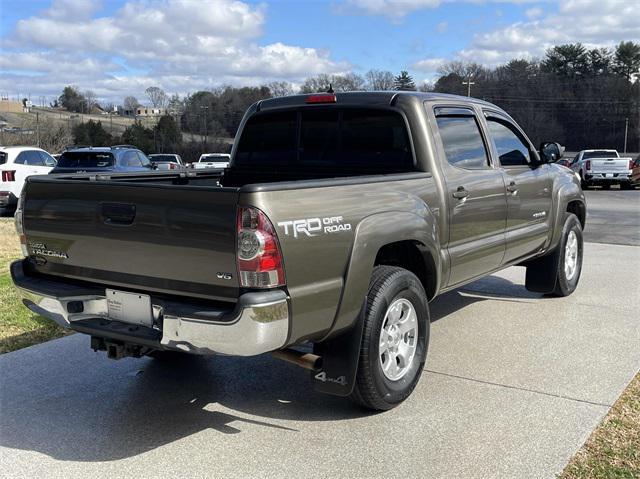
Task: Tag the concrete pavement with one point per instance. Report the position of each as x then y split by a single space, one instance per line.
513 386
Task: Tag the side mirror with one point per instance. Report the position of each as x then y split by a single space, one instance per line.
550 152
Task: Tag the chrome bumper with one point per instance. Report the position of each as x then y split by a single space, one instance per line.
258 324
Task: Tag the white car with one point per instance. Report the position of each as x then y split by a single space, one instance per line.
16 163
212 160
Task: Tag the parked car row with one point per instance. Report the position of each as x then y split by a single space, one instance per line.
19 162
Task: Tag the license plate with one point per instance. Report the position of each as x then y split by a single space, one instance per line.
130 308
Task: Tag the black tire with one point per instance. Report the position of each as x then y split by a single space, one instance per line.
565 286
373 389
626 186
584 184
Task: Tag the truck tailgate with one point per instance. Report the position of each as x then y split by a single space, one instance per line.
610 165
166 238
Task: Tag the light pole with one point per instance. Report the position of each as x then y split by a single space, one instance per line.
626 132
38 128
468 83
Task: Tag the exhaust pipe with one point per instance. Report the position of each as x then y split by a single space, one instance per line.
304 360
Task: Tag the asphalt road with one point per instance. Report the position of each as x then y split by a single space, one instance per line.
613 216
514 384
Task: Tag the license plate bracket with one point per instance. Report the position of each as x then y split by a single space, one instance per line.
132 308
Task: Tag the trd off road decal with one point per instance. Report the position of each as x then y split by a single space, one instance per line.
314 226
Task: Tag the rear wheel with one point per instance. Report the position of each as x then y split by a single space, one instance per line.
584 184
626 186
394 341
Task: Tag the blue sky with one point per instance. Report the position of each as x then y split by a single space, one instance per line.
117 47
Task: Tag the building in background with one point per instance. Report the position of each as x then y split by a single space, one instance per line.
144 111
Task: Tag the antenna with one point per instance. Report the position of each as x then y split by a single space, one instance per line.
330 90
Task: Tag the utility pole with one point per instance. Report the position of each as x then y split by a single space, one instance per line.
468 83
38 128
626 133
205 108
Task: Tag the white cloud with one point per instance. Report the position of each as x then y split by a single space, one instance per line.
534 12
595 23
429 65
442 27
397 9
394 9
180 45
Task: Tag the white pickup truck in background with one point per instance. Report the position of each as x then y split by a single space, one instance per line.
212 160
603 168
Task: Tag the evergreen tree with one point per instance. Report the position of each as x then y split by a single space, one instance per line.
91 133
404 82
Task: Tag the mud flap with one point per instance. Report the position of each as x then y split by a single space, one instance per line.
340 356
542 273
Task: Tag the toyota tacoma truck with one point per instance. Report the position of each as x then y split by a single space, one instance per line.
338 219
603 168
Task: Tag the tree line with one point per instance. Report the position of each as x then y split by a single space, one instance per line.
578 96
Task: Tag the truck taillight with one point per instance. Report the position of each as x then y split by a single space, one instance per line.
258 252
587 165
172 166
631 164
8 175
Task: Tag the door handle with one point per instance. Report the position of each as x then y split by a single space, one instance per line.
512 188
460 193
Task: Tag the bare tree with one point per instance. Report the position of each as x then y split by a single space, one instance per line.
131 103
379 80
348 82
157 96
280 88
320 83
90 98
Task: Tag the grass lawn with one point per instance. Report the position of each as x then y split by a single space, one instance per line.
613 450
19 327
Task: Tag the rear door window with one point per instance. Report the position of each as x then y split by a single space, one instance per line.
3 157
462 142
131 159
32 158
336 139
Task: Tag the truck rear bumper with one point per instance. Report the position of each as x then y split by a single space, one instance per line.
607 177
259 323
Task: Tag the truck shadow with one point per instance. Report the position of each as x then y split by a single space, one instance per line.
64 401
115 416
494 288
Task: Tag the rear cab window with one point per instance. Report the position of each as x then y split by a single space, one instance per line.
3 157
86 159
588 155
342 140
462 141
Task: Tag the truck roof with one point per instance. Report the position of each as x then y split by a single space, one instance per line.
368 98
